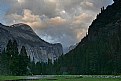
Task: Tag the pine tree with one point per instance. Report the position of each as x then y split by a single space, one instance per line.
8 56
32 67
49 67
14 65
9 48
23 61
38 69
3 64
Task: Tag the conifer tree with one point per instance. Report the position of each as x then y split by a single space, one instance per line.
9 48
23 61
14 65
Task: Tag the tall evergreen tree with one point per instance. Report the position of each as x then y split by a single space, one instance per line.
23 61
8 56
14 65
9 48
4 69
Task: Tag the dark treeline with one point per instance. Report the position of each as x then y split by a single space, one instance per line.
12 62
85 59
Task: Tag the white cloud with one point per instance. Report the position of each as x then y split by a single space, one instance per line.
83 18
57 21
27 18
64 21
87 5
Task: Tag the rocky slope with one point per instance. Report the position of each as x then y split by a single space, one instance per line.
25 36
100 51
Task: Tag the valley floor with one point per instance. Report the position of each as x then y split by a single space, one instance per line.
61 78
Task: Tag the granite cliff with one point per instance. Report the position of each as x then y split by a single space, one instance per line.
35 46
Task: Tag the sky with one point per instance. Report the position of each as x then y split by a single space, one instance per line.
55 21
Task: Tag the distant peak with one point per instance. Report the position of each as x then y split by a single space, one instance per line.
22 26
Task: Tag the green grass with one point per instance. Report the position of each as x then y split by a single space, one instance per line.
61 78
77 78
83 79
11 77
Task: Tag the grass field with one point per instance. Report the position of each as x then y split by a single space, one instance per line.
60 78
2 78
83 79
77 78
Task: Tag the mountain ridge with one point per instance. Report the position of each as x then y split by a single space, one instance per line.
37 48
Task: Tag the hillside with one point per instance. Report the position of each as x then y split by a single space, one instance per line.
100 51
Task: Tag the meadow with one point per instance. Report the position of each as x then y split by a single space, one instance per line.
61 78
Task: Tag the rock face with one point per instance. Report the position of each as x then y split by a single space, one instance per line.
100 51
25 36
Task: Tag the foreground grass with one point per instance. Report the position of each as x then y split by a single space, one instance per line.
11 77
60 78
78 78
83 79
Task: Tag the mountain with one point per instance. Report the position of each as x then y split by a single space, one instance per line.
100 51
35 46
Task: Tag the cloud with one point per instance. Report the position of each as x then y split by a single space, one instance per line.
81 23
64 21
57 21
87 5
27 18
82 18
38 7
